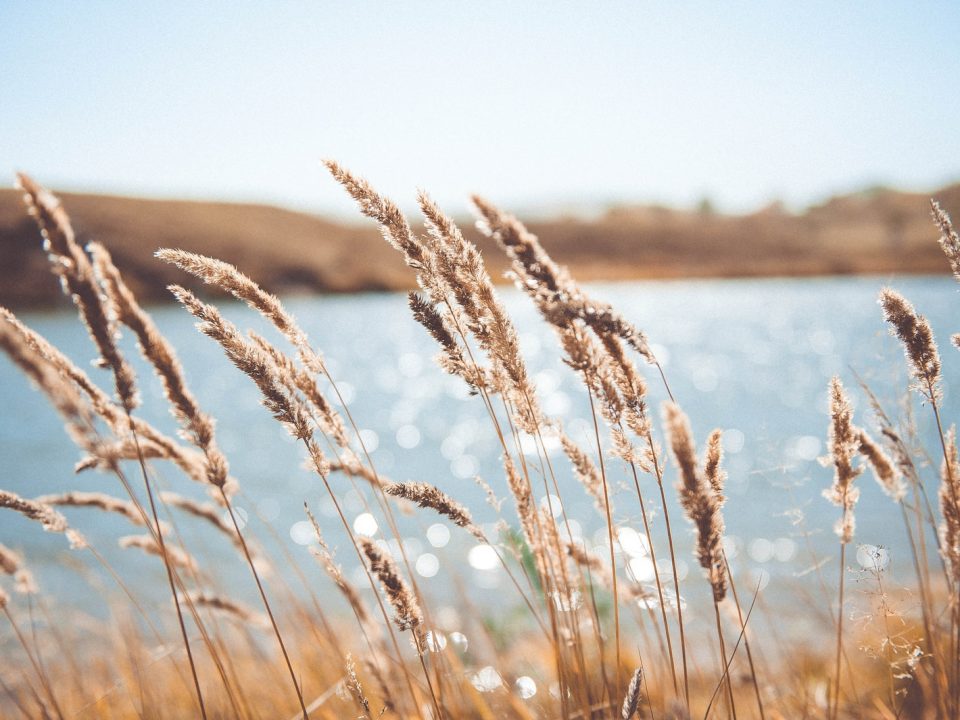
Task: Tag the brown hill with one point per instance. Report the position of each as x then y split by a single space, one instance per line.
878 231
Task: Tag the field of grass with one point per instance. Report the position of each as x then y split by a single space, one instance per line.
603 644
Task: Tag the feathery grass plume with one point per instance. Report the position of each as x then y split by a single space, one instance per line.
227 277
197 425
78 281
50 520
428 496
716 475
949 240
12 564
451 357
353 682
950 243
549 283
698 498
631 701
918 343
407 613
950 507
230 607
250 360
451 272
9 560
205 511
844 443
325 555
350 464
177 556
888 476
586 472
463 274
526 509
299 380
102 501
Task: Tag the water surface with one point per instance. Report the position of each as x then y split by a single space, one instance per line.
750 356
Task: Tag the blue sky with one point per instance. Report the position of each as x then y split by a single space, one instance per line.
537 105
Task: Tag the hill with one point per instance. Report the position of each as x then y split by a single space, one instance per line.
877 231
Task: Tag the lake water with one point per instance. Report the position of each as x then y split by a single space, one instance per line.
750 356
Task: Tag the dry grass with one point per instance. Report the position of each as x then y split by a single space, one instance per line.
603 645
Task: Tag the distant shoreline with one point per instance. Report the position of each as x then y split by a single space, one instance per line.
877 232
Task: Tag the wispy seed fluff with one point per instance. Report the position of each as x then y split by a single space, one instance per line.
949 240
631 701
885 471
407 614
844 443
700 500
429 496
918 343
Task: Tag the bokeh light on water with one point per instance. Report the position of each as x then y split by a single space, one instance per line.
751 357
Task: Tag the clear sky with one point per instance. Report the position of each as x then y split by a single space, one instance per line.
535 104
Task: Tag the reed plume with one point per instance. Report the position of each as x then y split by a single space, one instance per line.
230 607
699 499
714 473
197 425
430 496
250 360
914 332
325 555
79 283
889 478
356 689
549 283
50 520
12 564
949 240
586 472
101 501
205 511
177 556
631 701
407 613
844 444
226 277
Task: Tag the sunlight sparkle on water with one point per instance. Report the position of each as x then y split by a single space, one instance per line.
301 532
438 535
427 565
633 543
408 436
365 524
482 557
487 679
526 687
459 641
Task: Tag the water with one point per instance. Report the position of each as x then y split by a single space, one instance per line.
750 356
